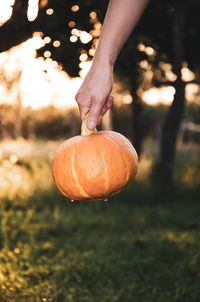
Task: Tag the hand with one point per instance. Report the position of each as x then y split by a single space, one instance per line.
94 97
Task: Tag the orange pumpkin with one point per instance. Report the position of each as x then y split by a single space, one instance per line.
94 165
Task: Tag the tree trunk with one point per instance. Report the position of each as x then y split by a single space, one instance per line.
173 119
137 124
137 114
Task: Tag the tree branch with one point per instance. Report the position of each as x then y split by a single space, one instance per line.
18 29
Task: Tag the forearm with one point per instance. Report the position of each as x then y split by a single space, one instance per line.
121 18
93 97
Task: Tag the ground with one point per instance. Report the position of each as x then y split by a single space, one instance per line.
137 247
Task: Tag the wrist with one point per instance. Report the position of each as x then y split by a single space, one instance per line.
103 61
103 57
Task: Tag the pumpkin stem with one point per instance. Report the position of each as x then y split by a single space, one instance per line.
84 130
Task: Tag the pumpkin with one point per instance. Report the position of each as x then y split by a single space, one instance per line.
94 165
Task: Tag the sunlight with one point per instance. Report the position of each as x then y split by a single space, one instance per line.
155 96
148 50
71 23
75 8
146 164
56 43
85 37
42 82
93 15
165 95
73 39
144 64
166 68
187 74
47 54
33 8
17 181
49 11
75 32
84 68
191 92
127 99
6 10
83 57
47 40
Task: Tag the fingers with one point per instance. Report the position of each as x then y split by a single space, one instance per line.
103 111
83 111
95 109
94 114
84 107
109 102
105 108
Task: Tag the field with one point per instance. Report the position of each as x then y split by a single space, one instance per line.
140 246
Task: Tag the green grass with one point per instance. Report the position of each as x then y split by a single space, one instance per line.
52 250
137 247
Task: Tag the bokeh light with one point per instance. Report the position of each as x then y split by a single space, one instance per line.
93 15
85 37
75 8
49 11
71 23
41 82
75 32
47 40
83 57
6 10
47 54
33 8
73 39
56 43
162 95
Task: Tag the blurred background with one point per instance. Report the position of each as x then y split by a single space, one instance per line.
148 235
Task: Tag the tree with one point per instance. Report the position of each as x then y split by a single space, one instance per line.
154 29
177 54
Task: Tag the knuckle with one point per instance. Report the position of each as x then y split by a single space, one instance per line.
77 96
92 116
94 99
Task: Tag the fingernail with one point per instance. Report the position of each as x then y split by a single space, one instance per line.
91 125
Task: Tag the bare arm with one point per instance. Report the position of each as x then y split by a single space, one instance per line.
94 94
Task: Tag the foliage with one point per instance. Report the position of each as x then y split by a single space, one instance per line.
192 113
55 123
45 123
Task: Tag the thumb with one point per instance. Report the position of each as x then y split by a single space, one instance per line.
93 116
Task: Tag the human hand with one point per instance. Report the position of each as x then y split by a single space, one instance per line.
93 97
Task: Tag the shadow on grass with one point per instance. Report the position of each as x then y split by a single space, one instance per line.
136 247
141 245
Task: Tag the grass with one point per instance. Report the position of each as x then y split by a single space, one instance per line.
137 247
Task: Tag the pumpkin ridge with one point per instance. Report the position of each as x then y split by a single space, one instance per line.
124 159
106 183
94 167
82 191
133 153
131 149
125 162
55 180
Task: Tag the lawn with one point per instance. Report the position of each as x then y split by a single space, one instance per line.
137 247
